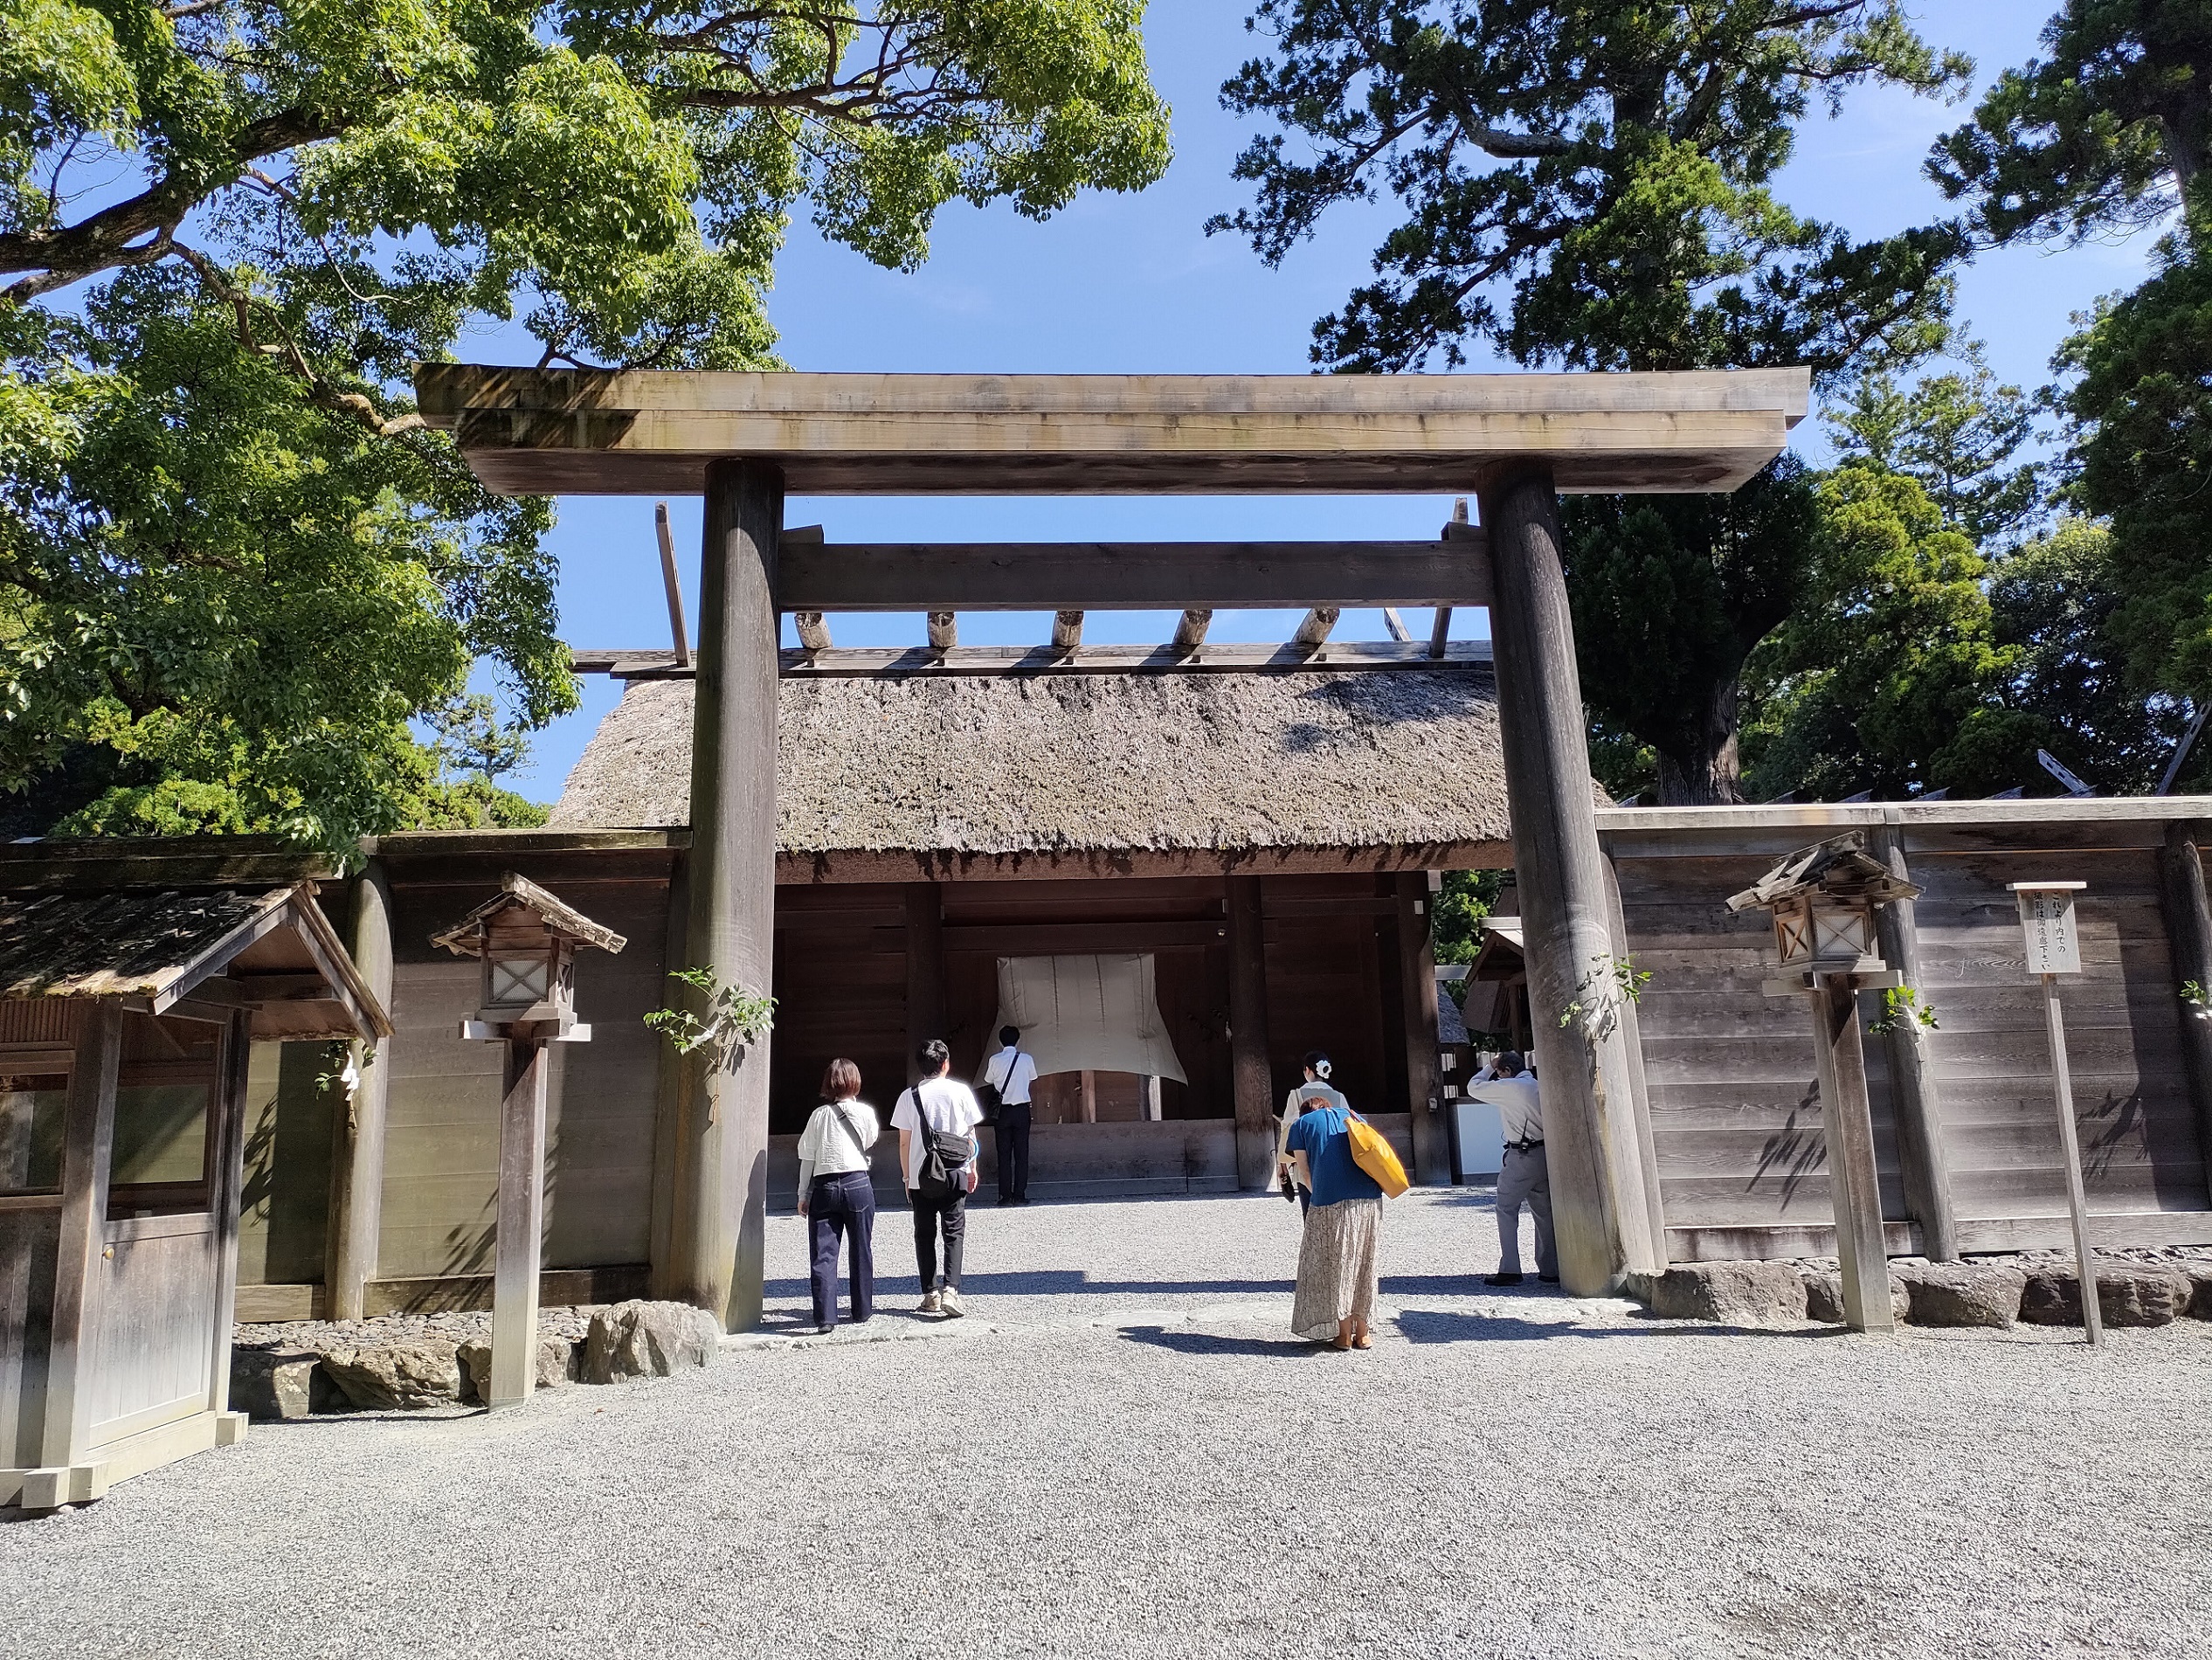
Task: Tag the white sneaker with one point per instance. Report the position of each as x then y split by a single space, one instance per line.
930 1304
952 1303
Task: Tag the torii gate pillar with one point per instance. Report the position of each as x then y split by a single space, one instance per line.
720 1194
1599 1209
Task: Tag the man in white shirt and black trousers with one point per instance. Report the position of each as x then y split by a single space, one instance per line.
1526 1178
947 1109
1010 1075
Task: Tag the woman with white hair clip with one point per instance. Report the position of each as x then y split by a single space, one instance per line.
1337 1257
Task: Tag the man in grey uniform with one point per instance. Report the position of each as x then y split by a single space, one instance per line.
1526 1180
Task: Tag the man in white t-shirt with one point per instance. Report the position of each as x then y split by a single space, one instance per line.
1526 1178
1013 1076
947 1107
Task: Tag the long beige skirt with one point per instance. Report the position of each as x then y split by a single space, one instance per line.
1337 1267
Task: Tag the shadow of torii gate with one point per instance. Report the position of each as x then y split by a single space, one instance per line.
1514 441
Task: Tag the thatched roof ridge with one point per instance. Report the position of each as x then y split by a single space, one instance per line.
1066 762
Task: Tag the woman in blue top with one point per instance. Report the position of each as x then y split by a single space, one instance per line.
1336 1300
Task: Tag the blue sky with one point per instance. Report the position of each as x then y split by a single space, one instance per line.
1124 284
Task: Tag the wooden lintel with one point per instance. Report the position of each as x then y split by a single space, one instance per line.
1467 655
1044 938
581 432
1132 576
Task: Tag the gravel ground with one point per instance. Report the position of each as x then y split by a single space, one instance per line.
1120 1452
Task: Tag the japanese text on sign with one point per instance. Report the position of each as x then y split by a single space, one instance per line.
2047 919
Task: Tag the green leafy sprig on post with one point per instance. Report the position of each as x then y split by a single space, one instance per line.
1611 982
735 1017
1901 1009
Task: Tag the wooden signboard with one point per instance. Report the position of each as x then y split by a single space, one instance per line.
2047 920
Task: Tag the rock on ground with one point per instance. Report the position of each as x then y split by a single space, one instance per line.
1733 1293
1964 1294
397 1377
560 1360
1824 1297
641 1339
274 1384
2127 1294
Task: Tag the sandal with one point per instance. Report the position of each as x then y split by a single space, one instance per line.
1344 1343
1364 1340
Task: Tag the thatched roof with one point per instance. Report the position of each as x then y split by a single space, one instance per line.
999 764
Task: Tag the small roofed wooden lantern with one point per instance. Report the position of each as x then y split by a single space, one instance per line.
1823 899
526 940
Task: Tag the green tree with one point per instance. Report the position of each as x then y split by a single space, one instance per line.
1895 681
2106 132
1588 183
1591 185
234 565
1670 595
1959 435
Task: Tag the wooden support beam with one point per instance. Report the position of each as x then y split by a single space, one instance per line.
2188 933
677 632
813 633
1067 630
1128 576
88 1143
539 432
1914 1091
945 630
721 1189
1847 1121
227 1123
924 971
1471 656
1189 632
1395 624
1313 631
1600 1215
1056 938
520 1227
1440 634
1250 1085
357 1140
1417 992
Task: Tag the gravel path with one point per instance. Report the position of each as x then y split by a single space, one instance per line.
1137 1463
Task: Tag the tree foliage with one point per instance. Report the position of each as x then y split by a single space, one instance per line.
1959 435
234 565
1587 184
1670 595
2104 133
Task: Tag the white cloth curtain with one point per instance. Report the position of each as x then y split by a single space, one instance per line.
1088 1014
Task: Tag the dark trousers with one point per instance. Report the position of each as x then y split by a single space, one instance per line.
929 1215
837 1205
1012 1127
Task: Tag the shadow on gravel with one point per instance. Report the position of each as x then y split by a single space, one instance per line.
1427 1325
1205 1342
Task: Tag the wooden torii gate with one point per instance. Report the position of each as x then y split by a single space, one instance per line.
746 439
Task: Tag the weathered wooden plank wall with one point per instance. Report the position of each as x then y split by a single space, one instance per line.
1735 1112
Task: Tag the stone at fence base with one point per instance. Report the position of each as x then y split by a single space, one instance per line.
640 1339
1824 1297
1964 1294
397 1377
1731 1293
560 1360
2200 1302
273 1385
2127 1294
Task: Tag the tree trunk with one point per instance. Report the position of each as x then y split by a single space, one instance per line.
1703 772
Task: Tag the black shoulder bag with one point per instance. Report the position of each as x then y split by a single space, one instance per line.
991 1097
945 1153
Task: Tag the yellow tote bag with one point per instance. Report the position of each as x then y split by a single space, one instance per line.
1374 1154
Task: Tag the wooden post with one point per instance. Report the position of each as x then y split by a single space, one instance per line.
521 1224
88 1143
1598 1211
672 1092
925 974
721 1188
1848 1121
357 1142
2070 1142
2188 933
1090 1096
1913 1095
228 1125
1250 1085
1417 981
1632 1030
